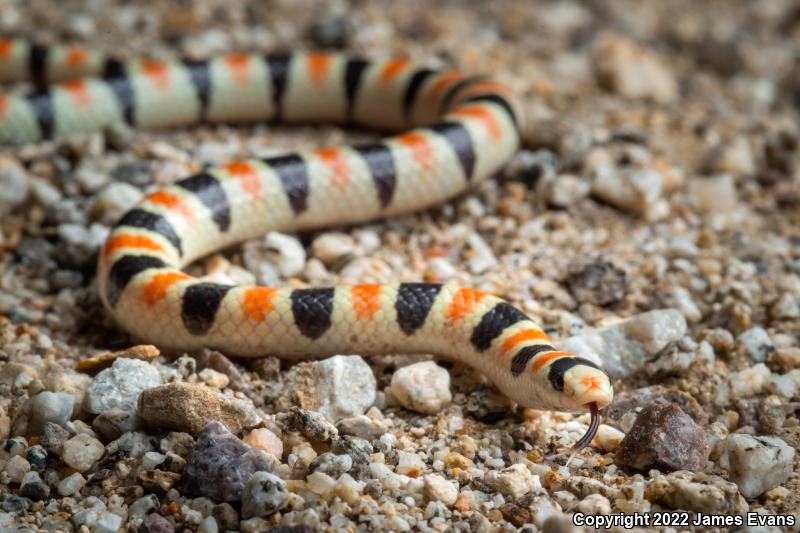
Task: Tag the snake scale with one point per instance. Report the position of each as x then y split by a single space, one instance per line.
457 130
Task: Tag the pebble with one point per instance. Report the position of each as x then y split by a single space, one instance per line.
13 447
44 192
266 440
608 438
422 387
714 194
155 523
118 388
71 484
263 495
626 346
361 426
14 185
190 407
337 387
749 382
757 463
37 457
114 201
321 484
53 437
313 425
15 504
682 300
81 452
220 464
757 344
734 158
664 437
440 489
226 516
628 68
481 257
213 378
409 464
283 253
330 247
634 190
514 481
16 468
331 464
596 281
567 190
55 407
695 491
33 487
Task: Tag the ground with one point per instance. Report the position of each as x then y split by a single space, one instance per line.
661 170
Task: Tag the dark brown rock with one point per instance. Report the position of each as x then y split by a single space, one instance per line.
226 516
519 516
155 523
663 436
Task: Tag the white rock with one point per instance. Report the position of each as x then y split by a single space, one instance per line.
409 464
594 504
115 200
208 525
757 343
566 190
118 388
14 185
321 484
422 387
624 347
637 191
716 194
330 246
682 300
514 481
482 258
787 307
736 158
785 385
441 269
439 489
625 67
285 253
542 508
45 193
607 438
345 386
757 464
348 489
82 451
749 382
263 495
16 468
71 484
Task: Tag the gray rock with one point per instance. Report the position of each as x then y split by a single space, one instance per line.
313 425
33 487
757 464
15 504
361 426
666 437
118 388
13 446
55 407
14 185
37 457
757 344
263 495
220 464
53 437
331 464
596 281
696 492
625 347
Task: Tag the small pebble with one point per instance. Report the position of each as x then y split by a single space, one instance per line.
714 195
439 489
16 468
665 437
514 481
330 247
33 487
220 464
422 387
263 495
757 344
757 463
266 440
81 452
71 484
749 382
155 523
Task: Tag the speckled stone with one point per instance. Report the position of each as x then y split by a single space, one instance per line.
155 523
220 464
263 495
664 436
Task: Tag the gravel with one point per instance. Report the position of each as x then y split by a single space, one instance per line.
648 222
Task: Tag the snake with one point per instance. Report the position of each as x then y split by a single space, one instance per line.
446 131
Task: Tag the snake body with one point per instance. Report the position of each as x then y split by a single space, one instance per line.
459 130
